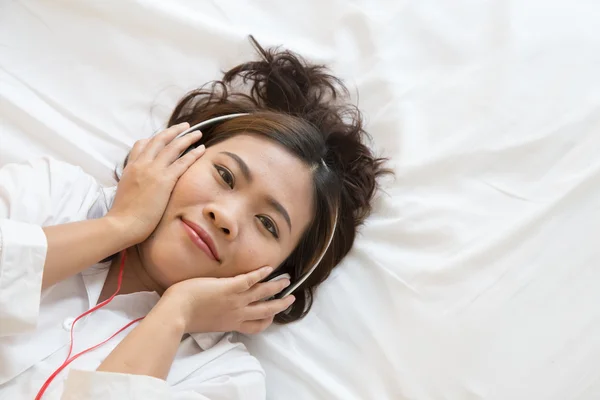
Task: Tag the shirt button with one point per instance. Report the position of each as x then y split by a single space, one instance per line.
68 323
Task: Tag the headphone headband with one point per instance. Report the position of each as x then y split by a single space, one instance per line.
209 122
304 277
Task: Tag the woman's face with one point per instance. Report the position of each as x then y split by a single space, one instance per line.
248 196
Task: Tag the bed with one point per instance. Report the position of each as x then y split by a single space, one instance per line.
477 275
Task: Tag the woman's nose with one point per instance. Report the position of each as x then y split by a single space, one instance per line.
223 221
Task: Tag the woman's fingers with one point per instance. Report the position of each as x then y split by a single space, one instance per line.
244 282
267 309
176 147
266 290
257 315
160 141
138 148
184 162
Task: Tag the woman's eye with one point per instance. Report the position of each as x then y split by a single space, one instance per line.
226 176
269 225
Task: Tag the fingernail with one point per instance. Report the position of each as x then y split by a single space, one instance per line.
268 270
287 283
184 124
291 296
201 148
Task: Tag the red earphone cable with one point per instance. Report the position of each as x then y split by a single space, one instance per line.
70 359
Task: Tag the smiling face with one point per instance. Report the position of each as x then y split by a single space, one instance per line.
243 205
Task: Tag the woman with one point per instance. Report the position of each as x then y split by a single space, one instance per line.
200 235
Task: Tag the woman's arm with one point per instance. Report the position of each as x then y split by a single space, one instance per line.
52 193
196 306
142 195
75 246
151 347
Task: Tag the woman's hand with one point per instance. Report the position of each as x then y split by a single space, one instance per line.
227 304
196 305
142 196
153 168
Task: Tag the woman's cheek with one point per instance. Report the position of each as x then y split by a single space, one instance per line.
196 177
254 257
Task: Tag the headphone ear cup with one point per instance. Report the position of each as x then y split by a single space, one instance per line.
279 277
276 278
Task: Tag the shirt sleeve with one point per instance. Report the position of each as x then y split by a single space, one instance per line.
96 385
39 193
232 374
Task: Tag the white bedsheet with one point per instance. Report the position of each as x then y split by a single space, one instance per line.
477 277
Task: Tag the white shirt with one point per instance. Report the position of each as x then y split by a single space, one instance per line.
35 324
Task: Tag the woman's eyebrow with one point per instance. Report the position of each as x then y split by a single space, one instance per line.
241 164
248 175
281 210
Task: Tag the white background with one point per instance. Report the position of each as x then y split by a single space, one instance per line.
477 276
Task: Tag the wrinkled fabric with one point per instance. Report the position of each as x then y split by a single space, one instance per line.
477 275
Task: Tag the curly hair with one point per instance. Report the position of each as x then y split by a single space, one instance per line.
305 109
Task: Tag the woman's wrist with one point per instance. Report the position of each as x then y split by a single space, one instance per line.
174 309
121 230
150 348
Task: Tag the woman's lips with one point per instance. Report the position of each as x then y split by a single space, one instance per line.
201 239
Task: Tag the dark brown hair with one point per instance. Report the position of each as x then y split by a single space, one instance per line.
303 108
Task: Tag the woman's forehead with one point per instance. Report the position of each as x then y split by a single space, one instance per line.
261 152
